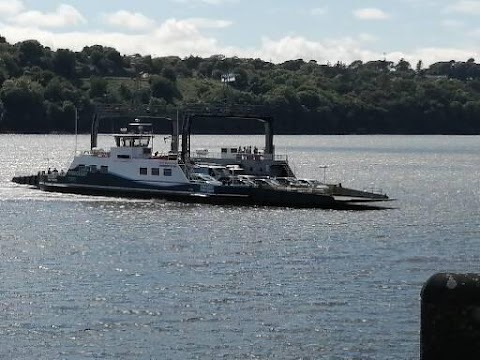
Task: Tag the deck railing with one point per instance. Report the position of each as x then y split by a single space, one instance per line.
238 156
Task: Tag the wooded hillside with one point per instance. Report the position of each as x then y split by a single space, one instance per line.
41 88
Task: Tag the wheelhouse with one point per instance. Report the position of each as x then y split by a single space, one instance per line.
137 134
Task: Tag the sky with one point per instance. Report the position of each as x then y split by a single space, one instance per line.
327 31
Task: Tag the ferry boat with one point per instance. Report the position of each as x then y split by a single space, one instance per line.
130 168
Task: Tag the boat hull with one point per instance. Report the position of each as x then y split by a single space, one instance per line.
203 193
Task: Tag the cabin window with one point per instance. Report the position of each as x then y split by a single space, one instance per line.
147 151
81 167
156 171
224 150
167 172
93 168
123 156
143 171
104 169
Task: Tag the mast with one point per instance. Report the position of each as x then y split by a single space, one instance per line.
76 130
94 131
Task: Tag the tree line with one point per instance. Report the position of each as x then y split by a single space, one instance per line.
42 89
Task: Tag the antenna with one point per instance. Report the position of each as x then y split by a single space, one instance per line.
324 167
76 130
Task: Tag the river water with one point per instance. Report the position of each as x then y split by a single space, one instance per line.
85 277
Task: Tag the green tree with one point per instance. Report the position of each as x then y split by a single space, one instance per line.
30 52
23 105
142 96
169 73
125 92
403 66
53 90
293 65
98 87
60 90
64 62
309 98
10 64
192 62
205 68
164 89
419 67
114 57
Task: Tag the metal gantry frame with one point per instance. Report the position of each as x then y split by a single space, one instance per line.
189 114
238 112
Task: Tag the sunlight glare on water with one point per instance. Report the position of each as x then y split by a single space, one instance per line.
87 277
